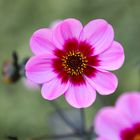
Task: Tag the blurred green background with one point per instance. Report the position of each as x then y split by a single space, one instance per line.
24 112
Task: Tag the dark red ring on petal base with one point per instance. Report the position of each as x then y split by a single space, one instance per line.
131 133
74 61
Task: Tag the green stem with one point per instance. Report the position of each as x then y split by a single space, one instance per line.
60 136
64 117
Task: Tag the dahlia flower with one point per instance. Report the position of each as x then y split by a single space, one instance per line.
73 60
121 122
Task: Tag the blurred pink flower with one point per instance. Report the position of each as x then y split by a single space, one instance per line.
73 60
30 84
121 122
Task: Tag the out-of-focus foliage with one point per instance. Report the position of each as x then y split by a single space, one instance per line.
24 113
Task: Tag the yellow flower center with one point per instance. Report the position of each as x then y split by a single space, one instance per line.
137 137
74 63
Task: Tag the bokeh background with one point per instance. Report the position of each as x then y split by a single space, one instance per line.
24 112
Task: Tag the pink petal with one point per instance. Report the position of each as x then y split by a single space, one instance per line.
109 122
80 96
112 58
39 69
129 104
54 89
101 138
67 29
104 82
41 42
99 34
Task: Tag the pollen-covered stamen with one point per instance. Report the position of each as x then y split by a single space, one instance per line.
137 137
74 63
